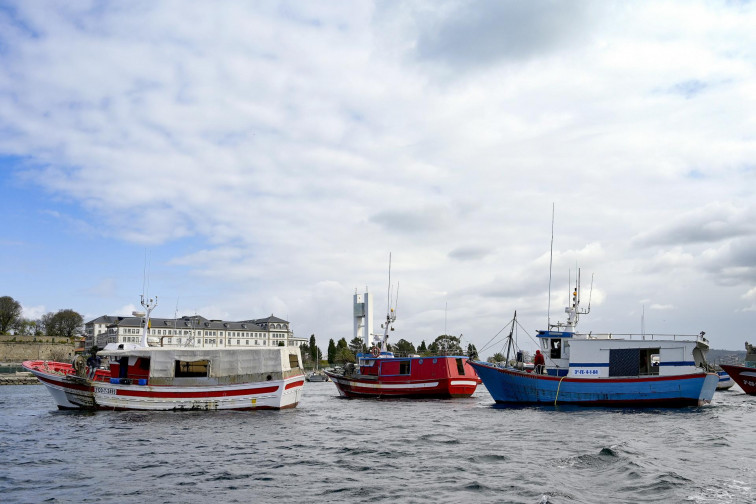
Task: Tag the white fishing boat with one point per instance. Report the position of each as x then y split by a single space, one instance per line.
141 377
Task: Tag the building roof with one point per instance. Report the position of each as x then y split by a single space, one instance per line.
104 319
196 322
269 320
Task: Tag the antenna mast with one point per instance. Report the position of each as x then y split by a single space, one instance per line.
551 259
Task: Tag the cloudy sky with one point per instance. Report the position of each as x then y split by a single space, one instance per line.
267 157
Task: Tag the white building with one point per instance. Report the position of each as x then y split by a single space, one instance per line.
194 331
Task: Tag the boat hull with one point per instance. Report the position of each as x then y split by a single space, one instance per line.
438 376
743 376
444 388
515 386
725 382
74 392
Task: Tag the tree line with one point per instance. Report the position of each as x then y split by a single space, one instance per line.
65 323
341 352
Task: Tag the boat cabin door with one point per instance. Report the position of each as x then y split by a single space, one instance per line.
555 348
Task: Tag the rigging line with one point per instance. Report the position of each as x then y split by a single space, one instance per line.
494 336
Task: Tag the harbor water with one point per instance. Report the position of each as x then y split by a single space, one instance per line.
332 450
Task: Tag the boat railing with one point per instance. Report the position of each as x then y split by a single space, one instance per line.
644 336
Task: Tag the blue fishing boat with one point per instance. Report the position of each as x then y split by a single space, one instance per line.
606 369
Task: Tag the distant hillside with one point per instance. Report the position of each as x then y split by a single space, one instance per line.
725 356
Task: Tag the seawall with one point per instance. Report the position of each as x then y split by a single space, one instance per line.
19 351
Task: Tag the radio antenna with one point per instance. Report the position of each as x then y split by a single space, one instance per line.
551 261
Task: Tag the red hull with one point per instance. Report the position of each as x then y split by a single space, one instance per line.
743 376
427 377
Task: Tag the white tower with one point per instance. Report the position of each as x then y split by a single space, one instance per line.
363 318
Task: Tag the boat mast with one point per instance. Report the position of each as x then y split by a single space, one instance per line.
551 261
148 305
510 342
390 313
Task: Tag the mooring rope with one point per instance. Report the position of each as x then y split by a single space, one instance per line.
559 387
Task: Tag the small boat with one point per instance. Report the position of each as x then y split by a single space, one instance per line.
725 381
379 373
316 377
606 369
744 375
141 377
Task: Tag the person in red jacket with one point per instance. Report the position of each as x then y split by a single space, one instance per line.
539 362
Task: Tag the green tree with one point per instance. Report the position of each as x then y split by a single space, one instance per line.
305 351
472 352
344 355
25 327
66 323
331 352
357 345
10 311
422 348
405 347
342 343
45 323
497 357
446 344
314 351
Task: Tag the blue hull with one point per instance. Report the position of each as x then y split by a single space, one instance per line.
514 386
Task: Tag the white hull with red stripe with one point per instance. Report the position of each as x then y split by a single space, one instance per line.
148 380
71 392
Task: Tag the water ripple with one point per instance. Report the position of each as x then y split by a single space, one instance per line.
335 450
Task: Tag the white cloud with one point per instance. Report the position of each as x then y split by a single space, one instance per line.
33 312
276 153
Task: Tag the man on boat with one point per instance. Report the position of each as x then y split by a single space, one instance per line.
93 362
539 362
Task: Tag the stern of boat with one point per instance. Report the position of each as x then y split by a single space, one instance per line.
709 387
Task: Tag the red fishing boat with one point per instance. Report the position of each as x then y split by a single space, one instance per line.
380 373
745 375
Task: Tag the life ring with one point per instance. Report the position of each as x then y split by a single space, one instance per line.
375 351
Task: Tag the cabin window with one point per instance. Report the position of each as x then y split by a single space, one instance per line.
144 363
395 367
649 361
293 361
460 367
556 348
624 362
194 369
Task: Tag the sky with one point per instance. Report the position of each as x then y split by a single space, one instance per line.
243 159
